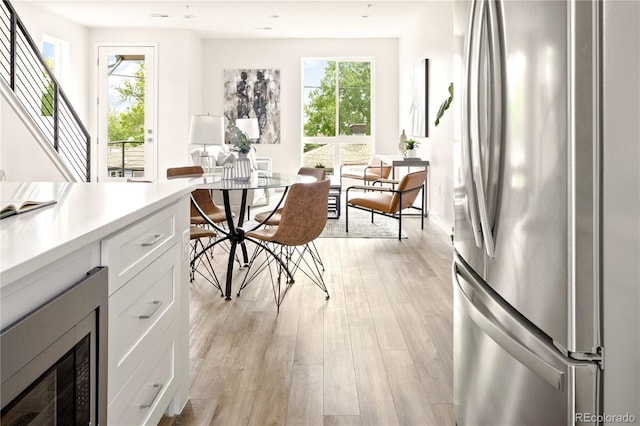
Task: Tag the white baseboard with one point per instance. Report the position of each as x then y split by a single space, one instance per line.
444 226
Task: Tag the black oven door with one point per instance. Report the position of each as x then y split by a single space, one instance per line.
53 364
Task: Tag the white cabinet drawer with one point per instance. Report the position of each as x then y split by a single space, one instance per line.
130 251
147 392
140 313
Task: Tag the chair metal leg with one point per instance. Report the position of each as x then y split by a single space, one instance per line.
287 260
422 206
204 261
346 214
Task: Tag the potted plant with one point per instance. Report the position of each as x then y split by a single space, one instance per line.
410 148
241 145
240 142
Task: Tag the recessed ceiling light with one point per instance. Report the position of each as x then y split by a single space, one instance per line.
159 15
274 16
262 28
365 16
188 15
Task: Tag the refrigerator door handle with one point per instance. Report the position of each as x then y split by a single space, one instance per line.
496 136
476 157
466 139
482 315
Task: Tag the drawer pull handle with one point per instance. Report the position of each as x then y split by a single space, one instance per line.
152 240
156 305
158 388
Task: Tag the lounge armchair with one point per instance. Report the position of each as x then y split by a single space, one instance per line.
377 168
388 201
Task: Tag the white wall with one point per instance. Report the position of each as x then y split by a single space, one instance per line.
431 36
21 156
286 55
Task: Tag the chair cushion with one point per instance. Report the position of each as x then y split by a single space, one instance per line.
373 200
273 220
264 234
198 232
215 218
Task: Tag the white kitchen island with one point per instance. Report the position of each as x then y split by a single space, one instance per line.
140 232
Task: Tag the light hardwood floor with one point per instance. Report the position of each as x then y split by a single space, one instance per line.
379 352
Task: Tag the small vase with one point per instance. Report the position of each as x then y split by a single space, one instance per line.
242 167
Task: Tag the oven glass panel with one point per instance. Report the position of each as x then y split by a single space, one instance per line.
60 396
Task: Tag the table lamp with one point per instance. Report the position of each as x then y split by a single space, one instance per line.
206 130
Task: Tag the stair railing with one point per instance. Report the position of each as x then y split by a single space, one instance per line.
25 71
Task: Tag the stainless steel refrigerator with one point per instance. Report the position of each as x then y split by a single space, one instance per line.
528 340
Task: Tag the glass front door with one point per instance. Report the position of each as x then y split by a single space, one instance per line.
126 111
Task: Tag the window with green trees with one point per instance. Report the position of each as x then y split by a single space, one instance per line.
126 115
336 111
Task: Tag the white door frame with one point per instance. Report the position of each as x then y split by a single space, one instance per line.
151 114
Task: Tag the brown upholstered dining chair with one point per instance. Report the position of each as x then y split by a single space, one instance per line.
200 196
388 201
287 246
319 173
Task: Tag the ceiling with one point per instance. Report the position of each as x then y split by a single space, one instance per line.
247 19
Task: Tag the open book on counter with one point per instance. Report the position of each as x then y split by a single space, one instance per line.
10 208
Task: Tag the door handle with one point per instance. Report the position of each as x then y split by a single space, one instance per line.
472 200
154 308
476 157
482 310
157 388
152 240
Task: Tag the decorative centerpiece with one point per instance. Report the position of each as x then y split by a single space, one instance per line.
242 146
409 148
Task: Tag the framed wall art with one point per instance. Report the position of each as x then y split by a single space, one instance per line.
253 93
419 108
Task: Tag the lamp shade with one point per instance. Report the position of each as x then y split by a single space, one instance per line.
249 126
206 130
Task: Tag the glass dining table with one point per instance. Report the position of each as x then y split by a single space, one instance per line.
234 233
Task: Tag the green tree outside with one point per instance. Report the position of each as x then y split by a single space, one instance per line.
46 100
129 124
354 99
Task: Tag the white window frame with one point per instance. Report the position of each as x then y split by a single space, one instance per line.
60 56
338 140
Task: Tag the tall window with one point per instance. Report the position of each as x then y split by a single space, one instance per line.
55 52
337 105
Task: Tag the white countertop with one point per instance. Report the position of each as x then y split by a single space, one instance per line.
85 212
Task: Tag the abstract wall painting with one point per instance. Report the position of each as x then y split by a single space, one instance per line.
253 93
419 108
